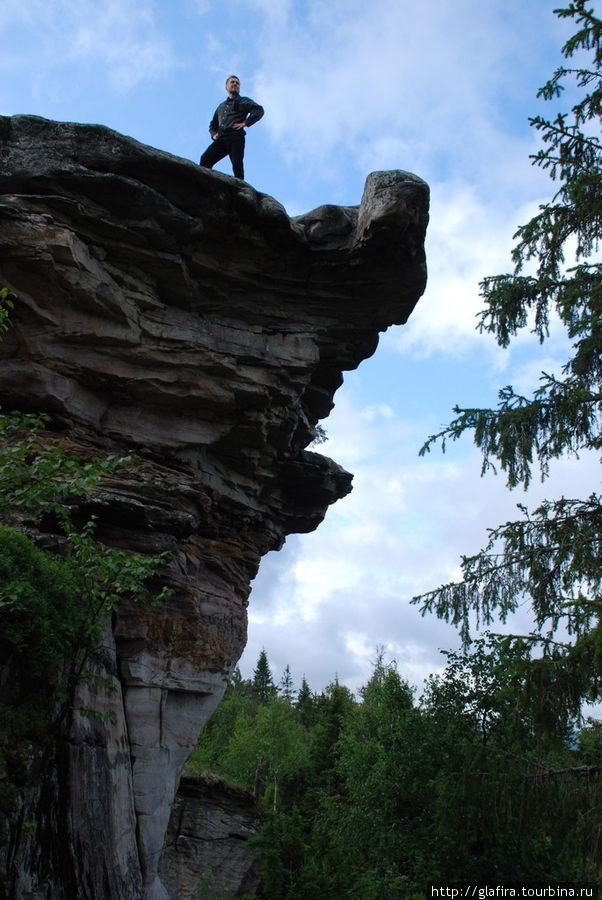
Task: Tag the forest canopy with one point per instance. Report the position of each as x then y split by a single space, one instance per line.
381 795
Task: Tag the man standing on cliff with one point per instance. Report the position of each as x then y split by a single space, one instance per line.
227 128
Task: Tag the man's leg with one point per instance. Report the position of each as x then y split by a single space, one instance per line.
236 152
214 152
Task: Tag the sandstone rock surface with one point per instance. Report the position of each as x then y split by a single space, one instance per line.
179 314
207 841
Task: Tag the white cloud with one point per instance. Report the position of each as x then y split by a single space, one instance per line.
469 238
402 85
328 599
119 38
466 239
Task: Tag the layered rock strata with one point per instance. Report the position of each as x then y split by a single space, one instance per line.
179 314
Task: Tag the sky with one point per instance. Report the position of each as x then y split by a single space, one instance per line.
441 89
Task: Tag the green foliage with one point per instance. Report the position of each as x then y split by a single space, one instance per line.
52 612
564 415
275 740
377 762
382 796
263 682
255 743
215 737
41 619
331 711
320 435
39 612
520 791
37 475
6 305
552 555
110 576
39 478
286 685
482 690
305 704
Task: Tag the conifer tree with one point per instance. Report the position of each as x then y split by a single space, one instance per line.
305 704
551 555
263 683
287 690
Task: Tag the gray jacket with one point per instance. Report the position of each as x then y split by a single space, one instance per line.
233 110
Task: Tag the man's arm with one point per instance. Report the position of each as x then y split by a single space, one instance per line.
214 126
253 112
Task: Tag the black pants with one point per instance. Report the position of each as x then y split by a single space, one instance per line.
231 144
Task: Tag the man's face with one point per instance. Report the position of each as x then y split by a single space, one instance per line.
233 85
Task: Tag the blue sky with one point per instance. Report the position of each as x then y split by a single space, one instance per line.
442 89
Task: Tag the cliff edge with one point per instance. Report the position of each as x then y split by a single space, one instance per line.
177 313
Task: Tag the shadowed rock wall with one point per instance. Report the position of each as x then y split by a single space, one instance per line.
177 313
206 844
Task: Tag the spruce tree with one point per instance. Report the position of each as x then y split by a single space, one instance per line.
287 688
305 704
551 555
263 683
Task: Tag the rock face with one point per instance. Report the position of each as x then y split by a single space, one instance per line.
206 845
177 313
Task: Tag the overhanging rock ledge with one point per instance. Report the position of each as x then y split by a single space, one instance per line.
178 313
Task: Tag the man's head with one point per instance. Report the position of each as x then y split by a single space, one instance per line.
233 85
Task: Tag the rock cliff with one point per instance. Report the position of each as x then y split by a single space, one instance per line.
206 844
178 313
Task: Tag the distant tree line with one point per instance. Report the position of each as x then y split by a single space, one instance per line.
381 795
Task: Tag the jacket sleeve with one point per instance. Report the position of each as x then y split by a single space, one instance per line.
253 110
214 124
